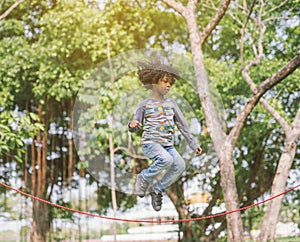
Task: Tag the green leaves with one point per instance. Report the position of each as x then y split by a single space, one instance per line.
49 48
15 129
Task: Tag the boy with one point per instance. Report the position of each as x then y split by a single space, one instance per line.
158 116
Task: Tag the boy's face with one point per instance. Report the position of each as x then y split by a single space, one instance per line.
164 84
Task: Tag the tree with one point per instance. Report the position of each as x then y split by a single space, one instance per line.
291 132
223 143
49 47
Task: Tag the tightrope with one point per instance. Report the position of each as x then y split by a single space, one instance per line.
145 220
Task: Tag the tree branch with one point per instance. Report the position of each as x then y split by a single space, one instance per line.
278 6
248 79
176 6
211 26
276 115
289 68
9 10
135 156
296 123
265 104
285 71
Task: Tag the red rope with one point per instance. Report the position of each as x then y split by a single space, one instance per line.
145 221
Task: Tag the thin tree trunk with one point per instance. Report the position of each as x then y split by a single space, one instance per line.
70 143
268 228
183 213
40 218
112 153
33 172
53 139
87 207
80 208
44 160
112 179
25 173
292 133
39 153
64 158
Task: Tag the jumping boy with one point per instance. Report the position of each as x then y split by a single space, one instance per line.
157 116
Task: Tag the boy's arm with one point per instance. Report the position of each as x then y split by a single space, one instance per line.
182 125
136 123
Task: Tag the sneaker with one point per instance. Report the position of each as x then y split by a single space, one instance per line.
156 198
141 186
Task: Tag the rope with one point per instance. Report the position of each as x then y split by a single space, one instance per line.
145 221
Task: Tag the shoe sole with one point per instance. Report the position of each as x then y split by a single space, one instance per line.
153 206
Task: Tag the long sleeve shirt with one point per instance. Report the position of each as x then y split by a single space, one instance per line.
159 119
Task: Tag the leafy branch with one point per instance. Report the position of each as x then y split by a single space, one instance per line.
10 9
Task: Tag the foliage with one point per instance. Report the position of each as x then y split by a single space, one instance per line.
50 49
15 129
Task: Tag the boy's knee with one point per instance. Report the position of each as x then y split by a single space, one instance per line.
182 167
167 161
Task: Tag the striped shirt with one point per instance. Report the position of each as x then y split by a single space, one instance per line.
159 119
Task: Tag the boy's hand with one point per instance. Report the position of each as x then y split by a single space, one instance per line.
134 124
199 150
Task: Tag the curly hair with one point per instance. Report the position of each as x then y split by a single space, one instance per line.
151 72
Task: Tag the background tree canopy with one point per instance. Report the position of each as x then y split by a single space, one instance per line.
49 50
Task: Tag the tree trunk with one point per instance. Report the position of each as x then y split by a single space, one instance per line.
112 152
70 143
39 153
33 171
44 182
52 141
40 218
223 144
64 161
186 228
25 172
228 183
112 179
80 208
268 228
292 134
40 223
223 148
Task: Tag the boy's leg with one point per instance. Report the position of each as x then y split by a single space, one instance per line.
173 173
141 186
162 160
